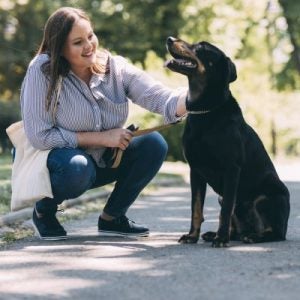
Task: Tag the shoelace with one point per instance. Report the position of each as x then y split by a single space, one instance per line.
61 210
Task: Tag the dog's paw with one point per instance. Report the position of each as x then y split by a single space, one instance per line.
254 238
248 240
208 236
188 239
219 242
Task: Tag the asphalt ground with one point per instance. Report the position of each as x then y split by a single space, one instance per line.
88 266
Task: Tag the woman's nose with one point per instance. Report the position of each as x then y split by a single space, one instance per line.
88 45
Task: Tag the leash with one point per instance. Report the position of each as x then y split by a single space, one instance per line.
113 156
138 132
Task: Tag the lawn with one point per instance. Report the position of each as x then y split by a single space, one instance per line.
5 188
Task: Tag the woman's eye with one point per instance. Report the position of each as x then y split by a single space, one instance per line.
77 43
91 36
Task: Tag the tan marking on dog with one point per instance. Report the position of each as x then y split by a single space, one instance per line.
197 212
261 225
268 229
186 52
259 199
235 224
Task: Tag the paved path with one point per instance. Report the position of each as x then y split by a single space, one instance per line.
87 266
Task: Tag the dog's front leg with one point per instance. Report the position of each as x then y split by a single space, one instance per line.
198 188
230 182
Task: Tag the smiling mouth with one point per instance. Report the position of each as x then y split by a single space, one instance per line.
88 54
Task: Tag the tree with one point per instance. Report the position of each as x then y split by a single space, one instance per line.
131 28
21 31
291 10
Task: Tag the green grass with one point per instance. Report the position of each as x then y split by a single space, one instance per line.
5 187
5 167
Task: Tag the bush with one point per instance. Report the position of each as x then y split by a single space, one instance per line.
172 135
9 113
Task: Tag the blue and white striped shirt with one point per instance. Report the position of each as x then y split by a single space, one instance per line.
100 106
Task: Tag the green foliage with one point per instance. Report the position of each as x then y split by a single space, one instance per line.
21 31
173 136
5 187
132 27
129 28
262 37
9 113
290 74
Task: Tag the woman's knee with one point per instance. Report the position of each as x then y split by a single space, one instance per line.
72 170
151 147
157 145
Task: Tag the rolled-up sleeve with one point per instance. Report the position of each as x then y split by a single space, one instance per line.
38 123
150 94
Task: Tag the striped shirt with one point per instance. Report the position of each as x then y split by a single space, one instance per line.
99 106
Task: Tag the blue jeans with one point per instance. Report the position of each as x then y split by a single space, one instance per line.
73 171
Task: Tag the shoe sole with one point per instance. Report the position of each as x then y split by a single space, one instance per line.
116 233
48 238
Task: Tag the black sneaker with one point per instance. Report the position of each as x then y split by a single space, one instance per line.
47 226
121 226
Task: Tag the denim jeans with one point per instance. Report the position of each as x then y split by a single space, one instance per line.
73 171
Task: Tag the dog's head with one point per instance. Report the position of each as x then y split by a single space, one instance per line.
208 69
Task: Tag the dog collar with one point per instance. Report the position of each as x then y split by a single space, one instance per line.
198 112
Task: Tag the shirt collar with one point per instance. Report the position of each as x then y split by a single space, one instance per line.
96 79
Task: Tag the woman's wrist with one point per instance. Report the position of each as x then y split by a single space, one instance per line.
181 105
90 139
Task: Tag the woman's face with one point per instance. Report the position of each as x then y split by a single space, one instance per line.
80 47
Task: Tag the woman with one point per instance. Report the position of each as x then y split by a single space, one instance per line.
88 117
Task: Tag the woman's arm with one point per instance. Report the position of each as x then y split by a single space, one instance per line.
151 94
181 106
38 123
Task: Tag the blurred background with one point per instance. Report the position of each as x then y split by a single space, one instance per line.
261 36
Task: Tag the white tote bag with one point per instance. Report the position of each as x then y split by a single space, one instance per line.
30 180
30 176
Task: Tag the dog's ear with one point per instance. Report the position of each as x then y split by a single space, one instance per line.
232 76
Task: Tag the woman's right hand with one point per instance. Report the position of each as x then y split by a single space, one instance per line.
113 138
117 138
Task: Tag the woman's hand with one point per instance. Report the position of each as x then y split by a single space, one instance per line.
117 138
113 138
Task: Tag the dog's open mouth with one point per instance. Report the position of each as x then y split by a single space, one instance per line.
183 61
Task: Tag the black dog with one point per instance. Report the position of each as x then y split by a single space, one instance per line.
225 152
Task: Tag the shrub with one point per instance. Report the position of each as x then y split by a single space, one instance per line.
9 113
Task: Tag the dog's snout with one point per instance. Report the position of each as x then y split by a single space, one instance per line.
171 40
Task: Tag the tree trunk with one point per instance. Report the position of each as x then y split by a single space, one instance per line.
289 7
